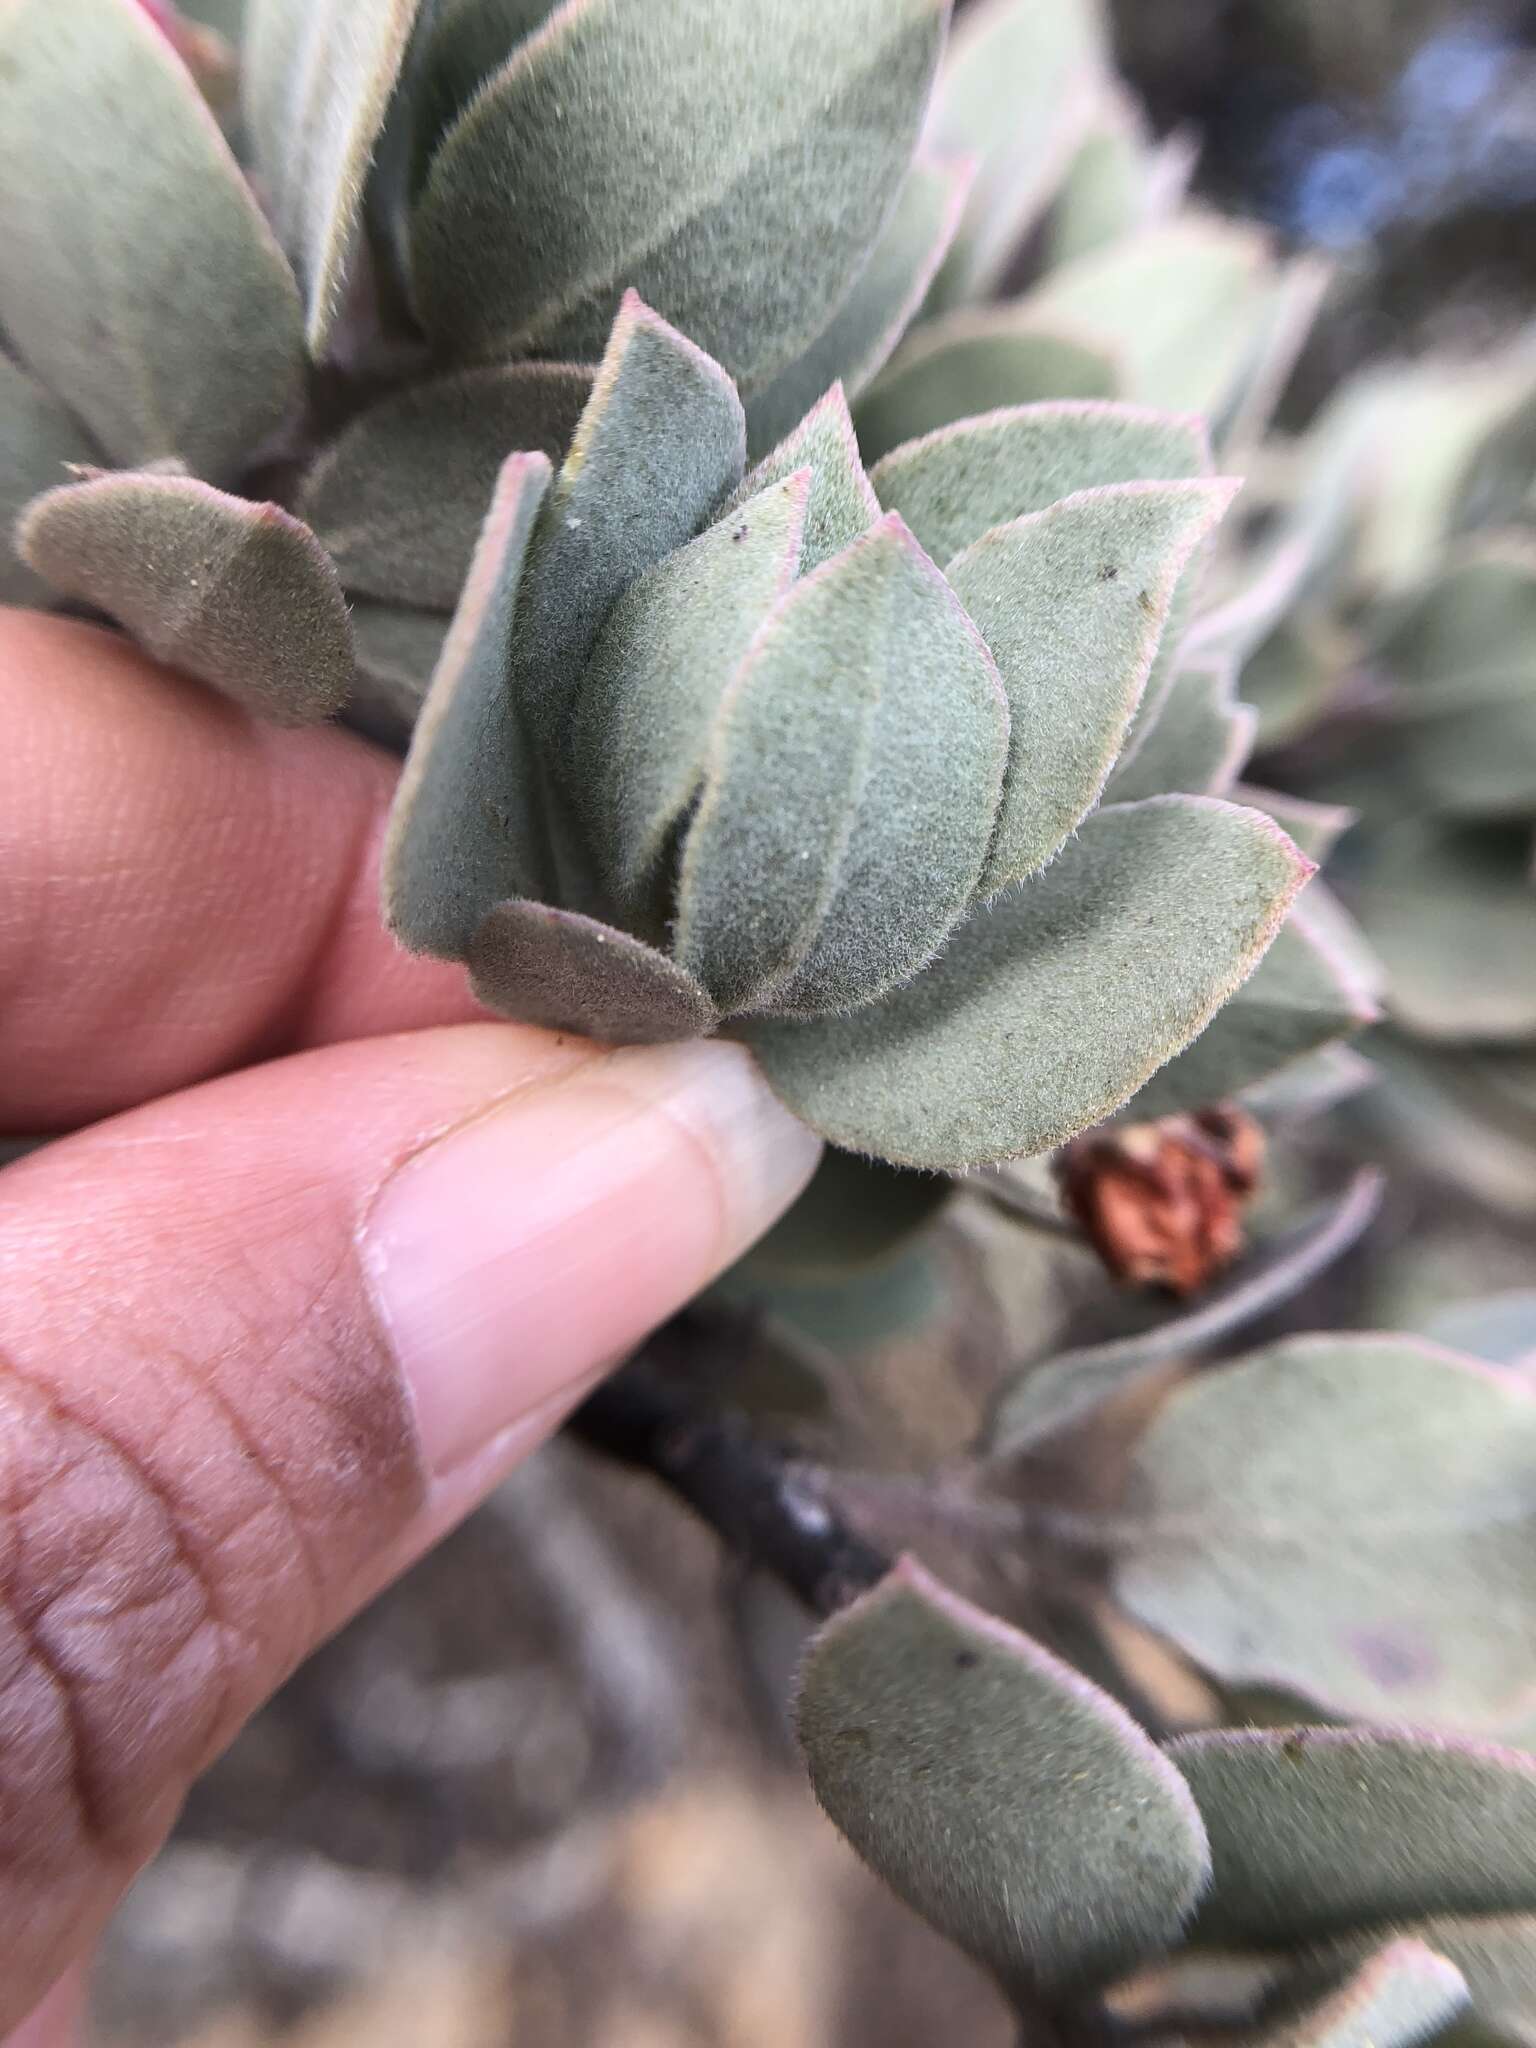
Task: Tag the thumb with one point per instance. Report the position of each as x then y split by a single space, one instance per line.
262 1342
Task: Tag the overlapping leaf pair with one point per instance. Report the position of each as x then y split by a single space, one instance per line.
1377 1886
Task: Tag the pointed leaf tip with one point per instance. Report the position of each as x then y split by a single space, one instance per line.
1010 1802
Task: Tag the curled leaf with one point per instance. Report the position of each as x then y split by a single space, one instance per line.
239 595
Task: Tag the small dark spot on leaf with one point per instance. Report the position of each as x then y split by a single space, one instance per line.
1133 1826
741 532
1147 601
1294 1748
966 1660
1109 572
856 1738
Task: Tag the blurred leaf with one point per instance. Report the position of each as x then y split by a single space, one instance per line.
658 675
1289 308
1109 190
241 596
1181 305
570 973
856 1214
1315 828
1452 913
467 821
710 177
1073 601
1322 1831
1309 1087
1392 1997
955 485
868 854
1500 1328
1496 1955
1444 1108
1048 1009
1304 995
1052 1396
842 503
1020 86
399 498
397 652
117 190
978 362
1003 1797
1197 740
38 441
316 79
1399 1585
879 309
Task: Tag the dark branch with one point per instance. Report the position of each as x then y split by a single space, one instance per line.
745 1488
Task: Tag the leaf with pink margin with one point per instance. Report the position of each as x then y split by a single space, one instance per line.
466 829
1317 1832
137 274
1495 1953
1398 1994
570 973
842 501
1197 739
240 595
317 77
1256 1534
1015 1806
881 306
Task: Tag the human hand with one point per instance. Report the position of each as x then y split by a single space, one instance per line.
265 1337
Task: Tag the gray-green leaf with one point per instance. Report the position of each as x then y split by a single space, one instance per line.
39 440
879 309
1047 1010
399 498
316 79
735 164
467 827
397 654
136 272
1011 1803
1395 1585
237 594
1072 602
842 503
1395 1996
570 973
954 485
1316 1832
1197 739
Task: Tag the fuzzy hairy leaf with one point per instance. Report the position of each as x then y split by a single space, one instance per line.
1197 740
467 44
1019 88
663 662
1306 993
708 176
1316 828
117 190
466 827
879 309
870 841
1316 1832
399 498
1072 602
397 654
1047 1010
1452 913
660 445
1006 1799
953 486
978 362
239 595
924 823
570 973
38 440
1180 304
1053 1396
842 502
317 76
1397 1994
1395 1586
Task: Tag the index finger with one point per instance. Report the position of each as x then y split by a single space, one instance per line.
184 891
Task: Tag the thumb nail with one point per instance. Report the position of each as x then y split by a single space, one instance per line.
516 1256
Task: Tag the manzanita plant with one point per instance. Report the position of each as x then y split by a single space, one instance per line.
765 468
